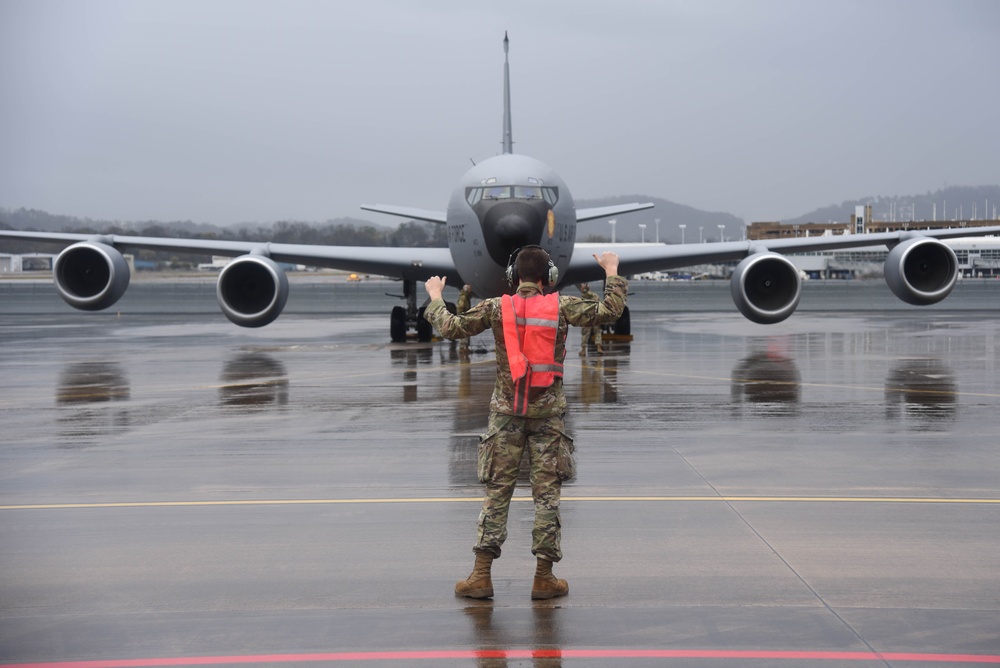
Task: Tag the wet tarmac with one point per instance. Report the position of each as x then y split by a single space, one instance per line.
175 490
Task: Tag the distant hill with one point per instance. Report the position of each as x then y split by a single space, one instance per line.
670 214
961 202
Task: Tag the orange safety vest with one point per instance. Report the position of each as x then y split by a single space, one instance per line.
530 326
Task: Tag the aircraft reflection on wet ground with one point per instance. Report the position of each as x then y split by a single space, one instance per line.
253 380
304 487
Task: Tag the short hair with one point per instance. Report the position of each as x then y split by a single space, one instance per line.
532 264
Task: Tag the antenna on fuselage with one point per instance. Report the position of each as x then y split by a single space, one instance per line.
508 139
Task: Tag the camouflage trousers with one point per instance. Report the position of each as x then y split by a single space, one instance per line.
590 335
550 462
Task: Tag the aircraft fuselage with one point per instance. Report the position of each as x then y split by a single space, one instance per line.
500 205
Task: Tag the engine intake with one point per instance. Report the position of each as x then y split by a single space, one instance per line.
921 270
766 287
90 276
252 290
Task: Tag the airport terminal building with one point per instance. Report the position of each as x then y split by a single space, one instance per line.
978 257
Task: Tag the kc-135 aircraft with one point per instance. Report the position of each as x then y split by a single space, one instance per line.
501 204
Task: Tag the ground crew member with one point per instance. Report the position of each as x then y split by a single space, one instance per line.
589 332
528 404
463 304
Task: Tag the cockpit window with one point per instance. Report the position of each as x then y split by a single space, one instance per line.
497 192
527 192
547 193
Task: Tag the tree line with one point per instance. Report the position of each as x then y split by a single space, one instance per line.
411 234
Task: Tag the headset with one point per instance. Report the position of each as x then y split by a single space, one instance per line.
512 277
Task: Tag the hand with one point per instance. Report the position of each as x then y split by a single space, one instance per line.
435 286
609 262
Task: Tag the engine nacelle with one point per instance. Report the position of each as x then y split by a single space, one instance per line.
921 270
90 275
766 287
252 290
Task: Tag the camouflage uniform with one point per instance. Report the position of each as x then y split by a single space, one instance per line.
461 306
540 431
587 332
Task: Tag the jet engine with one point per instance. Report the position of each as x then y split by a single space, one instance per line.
90 275
766 287
252 290
921 270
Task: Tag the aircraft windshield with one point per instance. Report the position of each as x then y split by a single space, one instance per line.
550 195
497 192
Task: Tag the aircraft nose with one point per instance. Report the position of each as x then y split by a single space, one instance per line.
514 224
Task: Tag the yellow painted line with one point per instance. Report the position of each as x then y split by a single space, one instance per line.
614 499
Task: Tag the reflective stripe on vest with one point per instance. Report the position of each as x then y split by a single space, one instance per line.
530 326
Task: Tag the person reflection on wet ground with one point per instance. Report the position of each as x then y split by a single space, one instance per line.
493 638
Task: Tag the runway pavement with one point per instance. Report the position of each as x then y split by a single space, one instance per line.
175 490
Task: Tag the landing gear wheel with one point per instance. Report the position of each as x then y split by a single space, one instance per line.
397 324
622 326
424 329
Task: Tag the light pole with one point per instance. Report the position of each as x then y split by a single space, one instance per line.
657 221
642 230
722 232
699 234
682 226
612 224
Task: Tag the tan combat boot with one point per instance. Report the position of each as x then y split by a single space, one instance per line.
547 585
478 584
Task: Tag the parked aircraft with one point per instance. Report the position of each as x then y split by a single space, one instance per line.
499 205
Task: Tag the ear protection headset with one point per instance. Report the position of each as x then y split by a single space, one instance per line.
512 278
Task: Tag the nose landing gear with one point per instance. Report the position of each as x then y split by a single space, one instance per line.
403 319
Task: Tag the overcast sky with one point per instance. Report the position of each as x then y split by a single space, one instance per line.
226 111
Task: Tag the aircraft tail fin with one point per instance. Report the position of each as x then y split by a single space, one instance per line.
508 139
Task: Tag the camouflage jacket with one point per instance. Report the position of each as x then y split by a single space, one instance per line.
545 401
463 303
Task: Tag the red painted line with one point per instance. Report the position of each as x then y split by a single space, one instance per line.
521 654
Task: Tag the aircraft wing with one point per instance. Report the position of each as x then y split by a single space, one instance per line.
640 258
408 212
605 211
417 264
441 218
